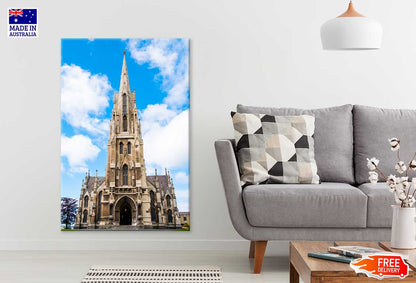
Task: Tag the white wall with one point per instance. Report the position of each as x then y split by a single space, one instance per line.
254 52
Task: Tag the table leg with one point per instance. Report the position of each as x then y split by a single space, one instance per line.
294 275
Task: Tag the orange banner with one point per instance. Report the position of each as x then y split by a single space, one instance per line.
381 266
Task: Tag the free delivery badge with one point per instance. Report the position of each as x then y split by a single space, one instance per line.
381 266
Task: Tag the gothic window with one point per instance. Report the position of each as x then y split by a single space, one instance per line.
124 104
124 123
168 201
84 216
129 147
152 206
100 195
184 218
125 175
121 148
170 218
86 201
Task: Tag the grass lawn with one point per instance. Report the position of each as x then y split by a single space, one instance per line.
184 229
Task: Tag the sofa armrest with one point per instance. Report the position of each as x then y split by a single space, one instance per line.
230 175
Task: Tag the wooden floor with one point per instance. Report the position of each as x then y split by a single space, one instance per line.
70 266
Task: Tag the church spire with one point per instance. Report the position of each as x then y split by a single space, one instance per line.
124 81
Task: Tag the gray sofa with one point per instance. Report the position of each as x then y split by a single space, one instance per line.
344 206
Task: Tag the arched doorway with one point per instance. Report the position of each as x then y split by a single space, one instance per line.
125 214
125 211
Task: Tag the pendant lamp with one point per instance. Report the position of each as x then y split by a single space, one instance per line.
351 31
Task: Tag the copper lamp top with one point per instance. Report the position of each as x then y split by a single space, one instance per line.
351 12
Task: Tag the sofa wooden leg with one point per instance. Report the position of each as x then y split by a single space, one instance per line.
252 248
260 248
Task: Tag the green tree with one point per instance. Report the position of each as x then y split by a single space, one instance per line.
68 211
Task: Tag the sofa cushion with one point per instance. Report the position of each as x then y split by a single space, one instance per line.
326 205
333 139
372 129
275 149
380 199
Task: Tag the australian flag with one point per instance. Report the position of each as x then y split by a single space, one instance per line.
23 16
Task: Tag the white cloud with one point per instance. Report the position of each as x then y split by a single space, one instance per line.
165 126
84 98
155 114
178 94
168 146
171 57
183 206
182 199
181 178
182 194
78 150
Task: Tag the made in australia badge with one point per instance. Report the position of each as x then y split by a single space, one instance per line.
23 23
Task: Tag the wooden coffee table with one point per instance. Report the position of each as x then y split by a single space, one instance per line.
411 261
314 270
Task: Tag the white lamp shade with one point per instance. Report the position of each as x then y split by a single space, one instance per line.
351 33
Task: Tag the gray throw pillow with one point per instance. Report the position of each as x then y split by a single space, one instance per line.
275 149
333 138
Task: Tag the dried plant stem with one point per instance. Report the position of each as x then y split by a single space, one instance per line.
382 174
408 192
400 185
414 189
407 175
407 195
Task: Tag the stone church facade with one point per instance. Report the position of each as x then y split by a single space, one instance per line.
127 198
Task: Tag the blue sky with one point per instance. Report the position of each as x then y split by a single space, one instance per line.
90 74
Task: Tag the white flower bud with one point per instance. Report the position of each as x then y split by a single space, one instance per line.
372 163
412 165
394 143
400 167
373 177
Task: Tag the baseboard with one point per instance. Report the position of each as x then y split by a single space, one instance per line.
276 247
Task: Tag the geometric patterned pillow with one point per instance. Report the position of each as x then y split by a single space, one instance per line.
275 149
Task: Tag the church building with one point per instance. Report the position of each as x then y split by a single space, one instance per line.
127 198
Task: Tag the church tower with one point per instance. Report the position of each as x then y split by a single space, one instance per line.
126 171
126 198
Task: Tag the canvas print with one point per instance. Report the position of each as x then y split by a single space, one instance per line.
125 134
